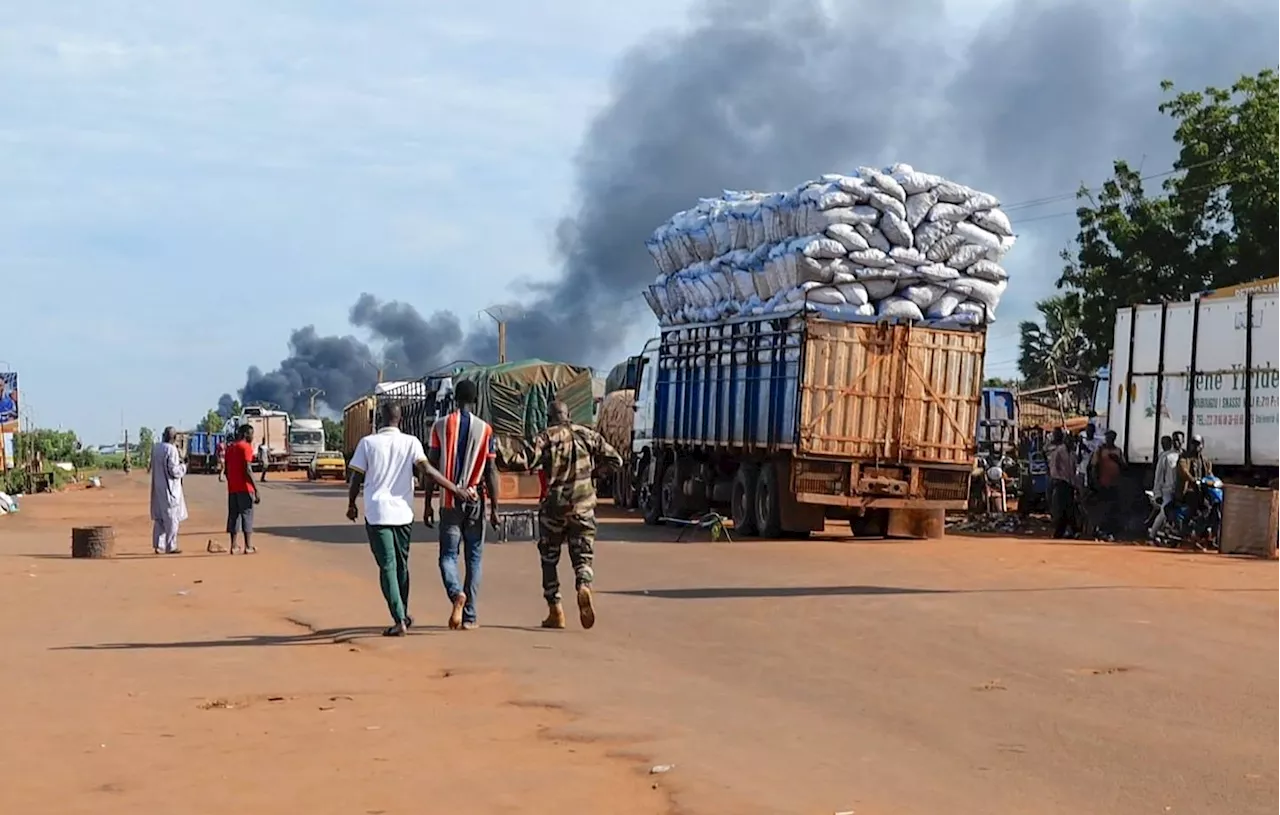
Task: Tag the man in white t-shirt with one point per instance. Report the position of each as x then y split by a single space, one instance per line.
384 463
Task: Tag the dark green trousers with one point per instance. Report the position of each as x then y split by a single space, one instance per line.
390 545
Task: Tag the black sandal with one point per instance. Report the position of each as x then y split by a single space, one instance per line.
396 630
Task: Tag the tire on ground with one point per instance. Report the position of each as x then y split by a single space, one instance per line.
673 502
742 502
768 503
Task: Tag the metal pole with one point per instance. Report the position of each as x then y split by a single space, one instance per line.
502 341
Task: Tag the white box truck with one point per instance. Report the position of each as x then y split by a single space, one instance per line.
1205 366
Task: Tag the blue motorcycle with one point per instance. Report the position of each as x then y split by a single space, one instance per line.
1196 523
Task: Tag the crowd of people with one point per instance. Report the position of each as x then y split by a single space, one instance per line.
1087 476
385 467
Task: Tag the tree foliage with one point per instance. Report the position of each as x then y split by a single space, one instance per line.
53 446
332 434
146 439
1213 223
1055 349
215 421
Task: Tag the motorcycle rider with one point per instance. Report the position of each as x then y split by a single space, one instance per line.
1192 466
1166 481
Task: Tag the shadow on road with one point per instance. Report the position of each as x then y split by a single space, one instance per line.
350 532
746 592
324 636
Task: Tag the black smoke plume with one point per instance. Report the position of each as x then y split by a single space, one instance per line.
762 94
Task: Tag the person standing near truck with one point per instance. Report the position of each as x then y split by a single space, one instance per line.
220 457
264 458
1166 481
1062 491
242 493
1106 467
568 454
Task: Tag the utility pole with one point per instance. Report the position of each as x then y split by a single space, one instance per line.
380 369
503 314
314 393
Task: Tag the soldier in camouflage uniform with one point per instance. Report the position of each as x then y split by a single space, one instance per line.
567 454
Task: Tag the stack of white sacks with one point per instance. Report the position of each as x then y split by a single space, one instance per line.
893 242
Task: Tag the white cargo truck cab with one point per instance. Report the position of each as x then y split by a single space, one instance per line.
306 440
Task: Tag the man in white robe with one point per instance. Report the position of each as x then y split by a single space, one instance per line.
168 504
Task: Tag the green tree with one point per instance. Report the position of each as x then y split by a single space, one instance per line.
211 423
146 438
333 437
1055 348
1212 224
998 382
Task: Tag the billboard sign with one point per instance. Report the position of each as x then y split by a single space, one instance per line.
9 401
8 417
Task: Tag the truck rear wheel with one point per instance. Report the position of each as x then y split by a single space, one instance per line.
673 503
768 503
649 499
744 496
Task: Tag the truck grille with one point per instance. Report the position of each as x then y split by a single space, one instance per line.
946 485
822 477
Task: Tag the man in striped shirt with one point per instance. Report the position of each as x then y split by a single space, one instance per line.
462 447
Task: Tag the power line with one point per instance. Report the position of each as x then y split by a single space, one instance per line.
1069 196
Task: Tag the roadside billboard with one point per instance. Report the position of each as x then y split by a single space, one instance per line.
8 416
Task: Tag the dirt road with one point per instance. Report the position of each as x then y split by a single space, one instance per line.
960 676
965 676
203 683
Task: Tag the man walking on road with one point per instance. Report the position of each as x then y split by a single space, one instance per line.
168 504
242 493
462 446
264 458
569 454
384 463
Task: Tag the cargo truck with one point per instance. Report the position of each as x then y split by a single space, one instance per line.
270 427
306 441
357 422
202 451
1205 366
795 420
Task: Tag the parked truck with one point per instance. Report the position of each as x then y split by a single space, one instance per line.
202 451
1205 366
795 420
270 427
306 441
357 422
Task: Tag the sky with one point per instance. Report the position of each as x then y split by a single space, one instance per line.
188 184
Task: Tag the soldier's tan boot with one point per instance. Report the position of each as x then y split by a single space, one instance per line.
555 616
586 609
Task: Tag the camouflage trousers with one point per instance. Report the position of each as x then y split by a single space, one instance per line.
578 530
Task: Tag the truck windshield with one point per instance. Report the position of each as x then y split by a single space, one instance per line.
306 437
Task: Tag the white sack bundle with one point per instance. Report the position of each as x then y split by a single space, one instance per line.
893 242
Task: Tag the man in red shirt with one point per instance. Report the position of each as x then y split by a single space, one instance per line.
242 493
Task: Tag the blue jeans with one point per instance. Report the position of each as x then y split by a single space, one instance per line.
458 533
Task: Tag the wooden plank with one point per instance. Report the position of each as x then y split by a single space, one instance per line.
891 393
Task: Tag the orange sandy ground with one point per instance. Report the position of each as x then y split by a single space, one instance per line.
247 696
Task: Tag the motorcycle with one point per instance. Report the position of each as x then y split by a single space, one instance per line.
1198 524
